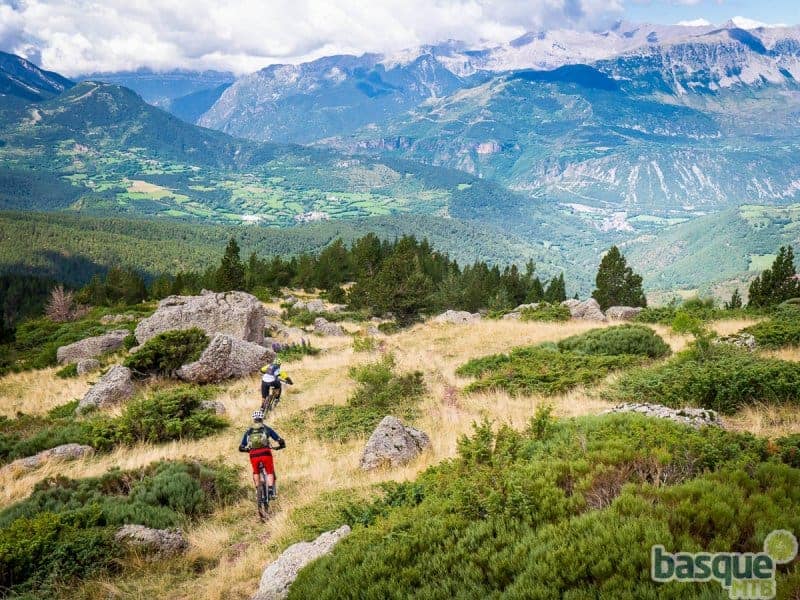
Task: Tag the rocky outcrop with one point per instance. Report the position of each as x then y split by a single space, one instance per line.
457 317
215 406
116 319
393 444
740 340
623 313
279 575
113 387
694 417
63 452
236 314
588 309
87 365
92 347
324 327
225 357
161 542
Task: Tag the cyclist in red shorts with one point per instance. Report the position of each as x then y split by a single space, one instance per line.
256 443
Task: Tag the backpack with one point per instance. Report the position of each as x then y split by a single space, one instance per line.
258 438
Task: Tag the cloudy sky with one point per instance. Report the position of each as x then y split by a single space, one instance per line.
85 36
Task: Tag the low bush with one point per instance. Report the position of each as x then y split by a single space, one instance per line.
623 339
160 417
781 330
380 392
541 370
789 449
545 312
364 343
569 512
702 309
65 529
724 379
167 352
71 370
297 352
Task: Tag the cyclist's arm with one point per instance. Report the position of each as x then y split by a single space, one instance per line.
245 441
274 435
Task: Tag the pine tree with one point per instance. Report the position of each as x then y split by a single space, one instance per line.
617 284
735 301
230 274
776 284
556 290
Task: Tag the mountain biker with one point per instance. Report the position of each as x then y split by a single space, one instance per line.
272 377
256 443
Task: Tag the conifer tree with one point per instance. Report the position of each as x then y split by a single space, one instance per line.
230 274
556 290
778 283
735 301
617 284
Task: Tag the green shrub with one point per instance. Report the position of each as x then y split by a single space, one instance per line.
724 380
167 352
545 312
789 450
570 514
364 343
379 392
611 341
297 352
540 370
160 417
388 327
781 330
64 530
71 370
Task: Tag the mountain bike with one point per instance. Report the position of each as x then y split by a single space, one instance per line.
263 492
274 397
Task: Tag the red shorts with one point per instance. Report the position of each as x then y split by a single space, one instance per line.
262 456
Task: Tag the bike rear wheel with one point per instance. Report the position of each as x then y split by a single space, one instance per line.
262 493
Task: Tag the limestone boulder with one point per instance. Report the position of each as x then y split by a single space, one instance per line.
324 327
114 387
623 313
87 365
693 417
92 347
159 542
393 444
279 575
237 314
225 357
64 452
588 309
457 317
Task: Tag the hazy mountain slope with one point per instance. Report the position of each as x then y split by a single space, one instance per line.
160 88
192 106
22 79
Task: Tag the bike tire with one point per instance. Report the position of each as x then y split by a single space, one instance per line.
263 492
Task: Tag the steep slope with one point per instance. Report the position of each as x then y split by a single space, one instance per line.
192 106
22 79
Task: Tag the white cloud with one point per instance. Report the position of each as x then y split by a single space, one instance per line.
696 23
82 36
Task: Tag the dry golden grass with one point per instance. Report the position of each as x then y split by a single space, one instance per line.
791 353
308 467
766 421
36 392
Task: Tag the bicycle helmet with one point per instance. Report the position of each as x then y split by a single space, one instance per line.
258 415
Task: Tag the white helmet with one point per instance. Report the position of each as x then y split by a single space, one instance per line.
258 415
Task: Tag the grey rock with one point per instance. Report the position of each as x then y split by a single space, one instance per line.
457 317
694 417
113 387
87 365
115 319
623 313
92 347
323 327
393 443
161 542
290 299
512 316
588 309
279 575
531 305
213 405
237 314
740 340
225 357
63 452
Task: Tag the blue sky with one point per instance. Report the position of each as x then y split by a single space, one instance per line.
715 11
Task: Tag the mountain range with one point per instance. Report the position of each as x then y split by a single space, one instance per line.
565 141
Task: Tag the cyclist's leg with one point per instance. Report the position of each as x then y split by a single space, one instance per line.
269 467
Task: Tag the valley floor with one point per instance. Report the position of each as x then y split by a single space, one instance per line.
229 551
